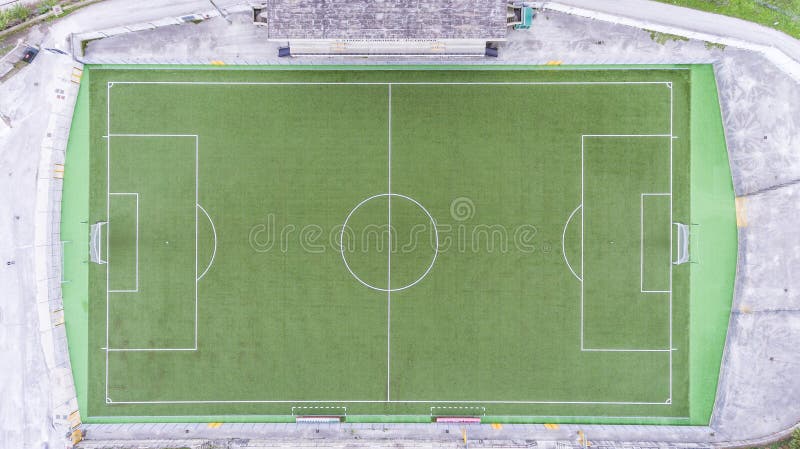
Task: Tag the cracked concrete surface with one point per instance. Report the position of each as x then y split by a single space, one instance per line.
761 353
760 107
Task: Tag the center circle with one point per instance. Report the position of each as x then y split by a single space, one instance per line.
382 223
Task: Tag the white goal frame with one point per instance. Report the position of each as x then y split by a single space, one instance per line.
682 249
96 243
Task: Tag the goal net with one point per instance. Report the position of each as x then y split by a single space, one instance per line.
683 234
96 243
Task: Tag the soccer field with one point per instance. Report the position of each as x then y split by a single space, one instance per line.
415 243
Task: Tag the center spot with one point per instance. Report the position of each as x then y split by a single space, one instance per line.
366 237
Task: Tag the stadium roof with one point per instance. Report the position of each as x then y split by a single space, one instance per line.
385 19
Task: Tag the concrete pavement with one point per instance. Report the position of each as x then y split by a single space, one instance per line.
26 418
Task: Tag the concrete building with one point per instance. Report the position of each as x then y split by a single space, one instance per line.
383 27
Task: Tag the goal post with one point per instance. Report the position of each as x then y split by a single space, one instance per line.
318 419
96 243
682 247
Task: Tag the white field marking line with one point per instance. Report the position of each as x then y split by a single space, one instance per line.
624 350
564 246
641 243
392 401
655 68
436 235
459 407
626 135
108 174
136 251
583 214
152 135
386 83
149 349
320 407
668 402
671 191
108 216
196 202
213 253
389 261
254 417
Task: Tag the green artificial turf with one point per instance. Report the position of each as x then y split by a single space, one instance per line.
228 292
714 243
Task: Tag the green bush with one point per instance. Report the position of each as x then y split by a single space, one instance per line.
794 441
19 13
5 19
